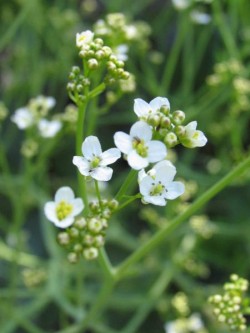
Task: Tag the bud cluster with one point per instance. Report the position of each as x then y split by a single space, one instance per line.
87 234
77 83
228 307
168 125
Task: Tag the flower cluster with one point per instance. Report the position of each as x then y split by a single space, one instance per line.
229 307
34 117
192 324
117 32
198 14
169 125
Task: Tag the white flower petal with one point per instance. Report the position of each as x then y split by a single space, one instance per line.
65 223
201 139
174 190
136 161
141 108
155 200
91 147
164 172
141 174
82 164
50 211
145 185
77 206
110 156
49 129
102 173
123 142
141 130
64 193
157 151
158 102
23 118
191 127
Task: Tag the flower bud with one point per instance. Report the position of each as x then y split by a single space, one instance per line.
80 223
153 120
165 110
95 225
180 131
93 63
100 54
165 122
113 204
90 253
171 139
99 240
178 117
63 238
77 247
72 257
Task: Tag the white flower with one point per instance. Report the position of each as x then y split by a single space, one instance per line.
139 147
193 138
94 162
49 129
195 322
45 102
143 109
23 118
200 17
121 52
84 38
62 211
181 4
157 185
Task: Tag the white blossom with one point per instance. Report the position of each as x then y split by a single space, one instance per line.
64 208
138 147
181 4
200 17
193 138
94 162
84 38
143 109
23 118
157 185
121 51
49 129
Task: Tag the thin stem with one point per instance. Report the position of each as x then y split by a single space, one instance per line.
131 199
107 268
98 193
79 139
161 235
125 185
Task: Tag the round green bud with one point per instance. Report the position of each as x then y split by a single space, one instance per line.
165 122
110 81
78 248
90 54
83 54
113 204
153 120
125 75
94 206
106 213
119 63
72 76
104 223
99 54
95 225
70 86
98 41
165 110
113 58
93 63
79 88
99 240
88 239
180 131
107 51
74 232
86 82
72 257
76 70
80 223
82 98
63 238
178 117
90 253
171 140
111 66
104 202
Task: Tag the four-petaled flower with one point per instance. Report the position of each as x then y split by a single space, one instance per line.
94 162
193 138
157 185
49 129
62 211
139 147
143 109
84 38
23 118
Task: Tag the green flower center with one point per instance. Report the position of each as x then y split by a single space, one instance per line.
157 189
63 209
140 147
95 162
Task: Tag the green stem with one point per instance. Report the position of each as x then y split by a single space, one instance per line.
131 199
79 140
107 268
126 184
98 193
161 235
